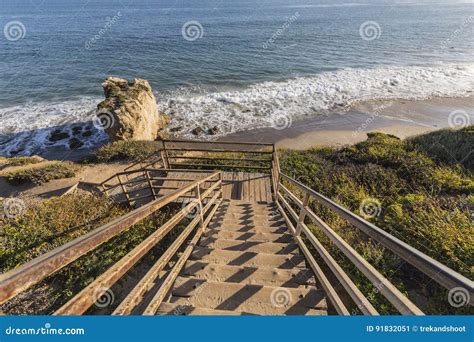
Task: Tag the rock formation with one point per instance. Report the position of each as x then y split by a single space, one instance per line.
129 111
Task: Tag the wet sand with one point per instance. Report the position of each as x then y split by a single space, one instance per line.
402 118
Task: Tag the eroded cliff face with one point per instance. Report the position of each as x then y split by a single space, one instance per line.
129 111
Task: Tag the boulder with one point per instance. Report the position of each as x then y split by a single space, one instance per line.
57 135
197 131
129 111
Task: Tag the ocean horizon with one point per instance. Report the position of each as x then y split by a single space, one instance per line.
236 65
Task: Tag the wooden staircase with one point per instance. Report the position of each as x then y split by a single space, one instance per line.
246 263
248 248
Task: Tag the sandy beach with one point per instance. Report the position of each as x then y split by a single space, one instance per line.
402 118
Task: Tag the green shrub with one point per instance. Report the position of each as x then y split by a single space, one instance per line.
424 201
126 150
54 222
18 161
42 174
448 146
49 224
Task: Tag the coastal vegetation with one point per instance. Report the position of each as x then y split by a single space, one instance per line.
126 150
421 188
422 194
51 223
42 173
19 161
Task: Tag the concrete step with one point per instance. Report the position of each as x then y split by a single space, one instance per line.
249 275
266 237
251 259
257 299
250 246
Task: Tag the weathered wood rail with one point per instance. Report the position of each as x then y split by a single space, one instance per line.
440 273
22 278
193 173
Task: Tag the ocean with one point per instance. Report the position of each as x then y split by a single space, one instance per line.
236 64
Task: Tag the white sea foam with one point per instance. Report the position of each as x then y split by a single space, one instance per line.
264 104
26 129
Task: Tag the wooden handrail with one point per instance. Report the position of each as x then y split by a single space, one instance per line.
217 142
171 277
223 158
190 149
328 288
144 160
84 299
442 274
403 304
17 280
145 283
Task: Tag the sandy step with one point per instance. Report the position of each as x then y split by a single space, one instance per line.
250 209
237 203
251 259
249 275
268 221
263 213
249 228
247 222
250 246
169 309
251 218
258 299
267 237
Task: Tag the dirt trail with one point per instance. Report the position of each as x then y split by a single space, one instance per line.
94 173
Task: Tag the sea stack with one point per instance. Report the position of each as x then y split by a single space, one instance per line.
129 111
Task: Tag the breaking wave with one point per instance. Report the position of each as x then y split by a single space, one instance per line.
27 129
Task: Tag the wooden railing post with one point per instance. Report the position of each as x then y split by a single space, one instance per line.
104 190
302 215
147 175
221 195
201 216
164 156
124 191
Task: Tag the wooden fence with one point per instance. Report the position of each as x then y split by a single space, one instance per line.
20 279
295 218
